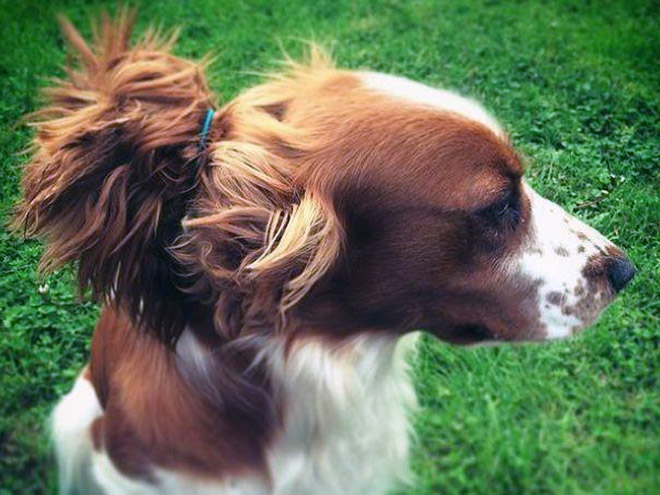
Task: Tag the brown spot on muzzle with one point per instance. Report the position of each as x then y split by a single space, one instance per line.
556 298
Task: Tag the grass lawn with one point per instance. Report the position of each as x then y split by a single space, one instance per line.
578 86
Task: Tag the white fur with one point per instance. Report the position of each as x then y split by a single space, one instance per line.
418 93
194 361
554 231
169 482
346 429
70 422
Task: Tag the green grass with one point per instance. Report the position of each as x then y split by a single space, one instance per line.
577 84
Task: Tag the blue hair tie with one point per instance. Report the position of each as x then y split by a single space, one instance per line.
205 128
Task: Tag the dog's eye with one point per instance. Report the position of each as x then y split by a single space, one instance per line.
503 207
506 210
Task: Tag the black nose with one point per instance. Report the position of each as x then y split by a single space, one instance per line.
620 271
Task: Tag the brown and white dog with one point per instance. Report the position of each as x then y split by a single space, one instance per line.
260 290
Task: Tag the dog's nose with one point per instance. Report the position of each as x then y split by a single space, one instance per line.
620 271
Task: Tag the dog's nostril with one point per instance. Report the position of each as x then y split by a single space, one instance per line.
620 272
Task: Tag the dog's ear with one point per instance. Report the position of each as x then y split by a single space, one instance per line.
114 167
260 245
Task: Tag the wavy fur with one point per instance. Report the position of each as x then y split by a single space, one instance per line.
116 168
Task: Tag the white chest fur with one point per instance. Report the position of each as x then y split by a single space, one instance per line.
346 429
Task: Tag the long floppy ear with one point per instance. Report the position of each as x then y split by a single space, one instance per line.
114 168
259 246
300 247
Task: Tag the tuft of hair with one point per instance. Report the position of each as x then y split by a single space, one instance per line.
260 237
114 167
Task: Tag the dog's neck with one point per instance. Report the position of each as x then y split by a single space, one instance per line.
342 408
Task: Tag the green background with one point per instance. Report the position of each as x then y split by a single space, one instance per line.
577 85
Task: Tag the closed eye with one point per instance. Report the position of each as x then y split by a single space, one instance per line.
504 211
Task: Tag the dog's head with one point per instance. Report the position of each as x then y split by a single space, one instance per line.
439 229
344 201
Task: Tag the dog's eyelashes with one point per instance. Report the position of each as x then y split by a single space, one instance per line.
506 210
503 208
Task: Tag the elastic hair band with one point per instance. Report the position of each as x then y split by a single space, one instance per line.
205 128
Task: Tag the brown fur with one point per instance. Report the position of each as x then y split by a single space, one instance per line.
114 169
154 415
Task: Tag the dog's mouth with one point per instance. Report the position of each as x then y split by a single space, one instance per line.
470 334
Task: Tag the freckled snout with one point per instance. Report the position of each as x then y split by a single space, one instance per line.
578 270
620 271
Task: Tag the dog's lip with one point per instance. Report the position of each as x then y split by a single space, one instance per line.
471 333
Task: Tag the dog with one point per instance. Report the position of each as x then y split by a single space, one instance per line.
262 265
